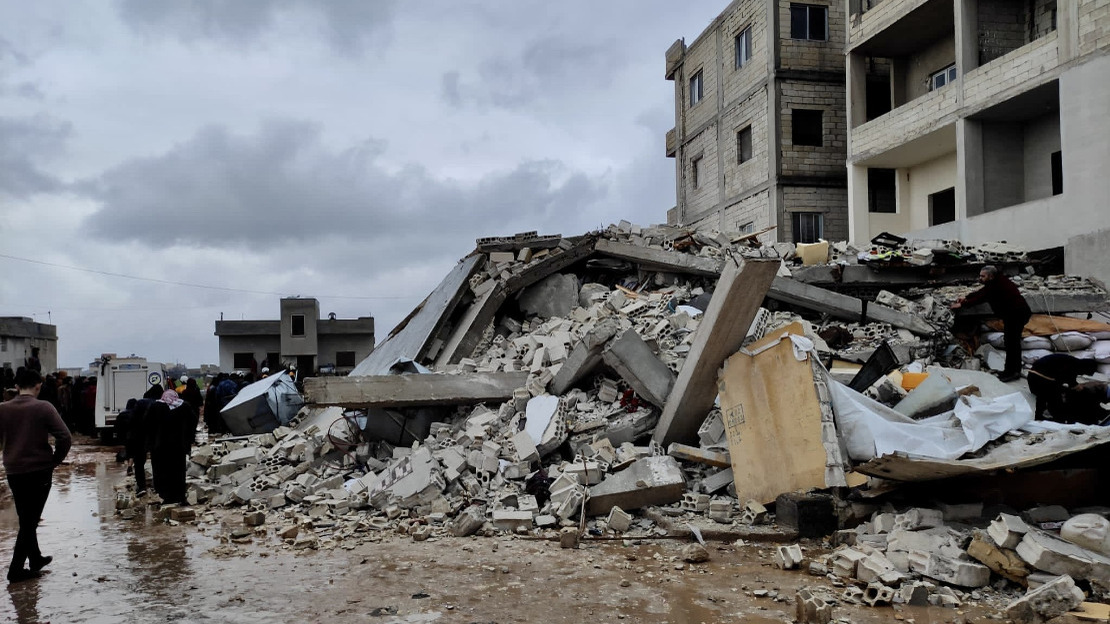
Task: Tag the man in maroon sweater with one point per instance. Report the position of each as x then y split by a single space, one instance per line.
1008 304
26 424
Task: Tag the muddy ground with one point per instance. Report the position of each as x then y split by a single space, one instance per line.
107 569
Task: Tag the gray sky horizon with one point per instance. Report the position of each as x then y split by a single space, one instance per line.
163 164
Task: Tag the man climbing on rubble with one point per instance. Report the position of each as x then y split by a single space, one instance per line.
1008 304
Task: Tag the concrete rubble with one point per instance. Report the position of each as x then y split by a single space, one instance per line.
572 397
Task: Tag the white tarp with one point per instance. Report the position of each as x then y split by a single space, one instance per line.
870 429
263 405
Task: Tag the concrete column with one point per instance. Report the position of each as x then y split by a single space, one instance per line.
899 68
722 132
1067 30
967 37
970 199
859 228
774 131
856 78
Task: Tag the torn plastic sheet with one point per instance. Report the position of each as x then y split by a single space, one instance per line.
870 429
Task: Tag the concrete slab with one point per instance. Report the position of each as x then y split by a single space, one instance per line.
649 481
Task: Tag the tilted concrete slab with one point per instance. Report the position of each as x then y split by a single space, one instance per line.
638 365
819 299
585 355
735 302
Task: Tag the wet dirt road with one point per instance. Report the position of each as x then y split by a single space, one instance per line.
107 569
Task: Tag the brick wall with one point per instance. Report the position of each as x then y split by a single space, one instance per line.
1021 67
1094 25
904 123
880 17
754 209
831 202
1003 28
812 160
704 197
700 57
813 55
740 81
753 112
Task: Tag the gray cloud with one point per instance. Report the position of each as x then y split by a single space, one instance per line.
348 25
25 143
282 186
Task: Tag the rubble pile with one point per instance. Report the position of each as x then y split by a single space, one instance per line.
564 388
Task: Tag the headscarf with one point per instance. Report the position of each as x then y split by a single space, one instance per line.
170 397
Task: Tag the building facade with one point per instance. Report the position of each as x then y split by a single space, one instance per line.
760 127
979 120
18 335
300 337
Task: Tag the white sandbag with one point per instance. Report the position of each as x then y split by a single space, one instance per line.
994 339
1099 335
1104 369
1071 341
1083 354
1037 342
1102 351
1028 356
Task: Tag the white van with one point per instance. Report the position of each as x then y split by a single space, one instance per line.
120 379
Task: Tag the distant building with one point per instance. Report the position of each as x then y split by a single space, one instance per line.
18 335
760 130
300 338
981 120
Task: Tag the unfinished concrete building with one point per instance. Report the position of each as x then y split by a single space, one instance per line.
19 334
979 120
759 136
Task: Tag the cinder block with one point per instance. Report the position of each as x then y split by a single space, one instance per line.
1046 602
788 557
619 520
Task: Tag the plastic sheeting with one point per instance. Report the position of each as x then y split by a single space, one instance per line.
870 429
263 405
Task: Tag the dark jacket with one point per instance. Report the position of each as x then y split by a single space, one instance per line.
1003 296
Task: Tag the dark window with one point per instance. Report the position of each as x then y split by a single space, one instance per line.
744 145
344 358
809 227
880 191
1057 173
273 360
695 88
806 127
878 96
243 360
743 47
942 77
695 172
942 206
809 22
298 325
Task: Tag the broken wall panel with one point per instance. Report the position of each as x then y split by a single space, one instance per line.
412 337
734 305
412 390
773 419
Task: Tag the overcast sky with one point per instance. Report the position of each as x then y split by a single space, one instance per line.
348 150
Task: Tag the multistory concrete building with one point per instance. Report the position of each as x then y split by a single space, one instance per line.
19 335
300 338
980 120
760 128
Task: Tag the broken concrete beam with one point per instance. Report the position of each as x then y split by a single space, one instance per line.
631 358
1049 553
950 570
585 355
413 390
835 304
510 520
1002 561
717 481
660 259
1046 602
654 480
735 302
700 456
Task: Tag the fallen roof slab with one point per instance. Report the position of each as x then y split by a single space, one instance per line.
1022 452
842 306
412 390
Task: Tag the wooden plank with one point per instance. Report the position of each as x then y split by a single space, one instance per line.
412 336
772 417
660 259
698 455
1021 452
413 390
819 299
735 302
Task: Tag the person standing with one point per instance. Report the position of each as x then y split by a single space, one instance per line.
1008 304
26 424
167 422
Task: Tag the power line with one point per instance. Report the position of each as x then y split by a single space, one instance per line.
187 284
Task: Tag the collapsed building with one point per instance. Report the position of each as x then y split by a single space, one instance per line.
610 383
